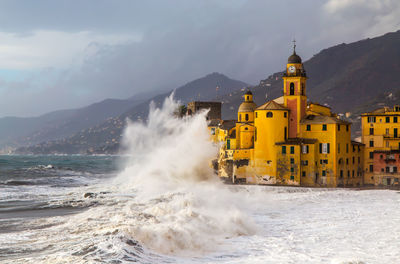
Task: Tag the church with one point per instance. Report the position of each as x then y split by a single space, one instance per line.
289 140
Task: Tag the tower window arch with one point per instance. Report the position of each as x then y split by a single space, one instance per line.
269 114
291 89
247 117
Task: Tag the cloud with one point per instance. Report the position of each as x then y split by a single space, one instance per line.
41 49
361 18
72 53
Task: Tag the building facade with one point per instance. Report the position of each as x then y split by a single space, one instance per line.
381 136
290 141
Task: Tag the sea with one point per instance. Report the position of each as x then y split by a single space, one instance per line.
159 201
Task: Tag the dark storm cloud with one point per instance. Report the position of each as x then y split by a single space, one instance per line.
175 42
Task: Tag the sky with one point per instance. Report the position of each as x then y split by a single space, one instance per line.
61 54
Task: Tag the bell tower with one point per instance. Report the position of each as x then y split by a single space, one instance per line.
294 92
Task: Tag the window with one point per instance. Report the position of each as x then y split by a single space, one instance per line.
387 119
324 173
347 127
338 127
338 147
341 173
292 170
347 161
247 117
284 114
291 160
291 149
359 160
305 162
291 89
256 114
347 147
371 143
303 174
305 149
371 168
285 133
255 134
292 178
324 148
387 169
302 89
283 149
387 131
246 128
394 169
371 155
324 127
308 128
371 131
395 132
354 160
269 114
371 119
348 174
353 174
240 117
395 119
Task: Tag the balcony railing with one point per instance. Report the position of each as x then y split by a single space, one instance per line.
391 136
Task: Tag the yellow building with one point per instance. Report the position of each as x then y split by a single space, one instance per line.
381 136
288 141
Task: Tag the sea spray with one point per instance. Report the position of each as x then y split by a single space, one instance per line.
185 207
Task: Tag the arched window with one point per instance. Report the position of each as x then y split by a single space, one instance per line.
269 114
291 88
240 117
246 128
247 98
247 117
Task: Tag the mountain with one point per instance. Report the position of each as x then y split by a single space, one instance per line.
16 131
105 137
356 78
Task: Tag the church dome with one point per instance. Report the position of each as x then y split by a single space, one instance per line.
249 93
247 107
294 58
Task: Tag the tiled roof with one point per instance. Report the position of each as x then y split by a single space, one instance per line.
271 105
321 119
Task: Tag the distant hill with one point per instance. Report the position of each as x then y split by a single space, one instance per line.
105 137
16 131
355 77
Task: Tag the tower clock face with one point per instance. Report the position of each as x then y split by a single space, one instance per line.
292 69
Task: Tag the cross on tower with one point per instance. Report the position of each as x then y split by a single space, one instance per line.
294 45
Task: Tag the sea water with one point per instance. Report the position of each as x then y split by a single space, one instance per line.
160 202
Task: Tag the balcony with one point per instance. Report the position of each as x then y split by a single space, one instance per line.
391 136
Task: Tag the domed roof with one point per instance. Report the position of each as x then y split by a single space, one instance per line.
294 58
248 93
247 107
